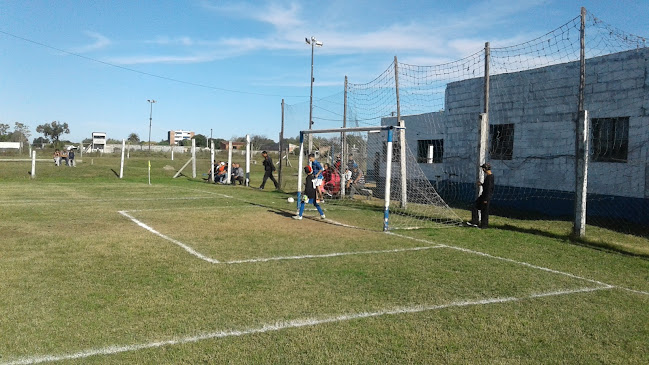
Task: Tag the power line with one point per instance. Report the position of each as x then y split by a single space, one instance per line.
147 73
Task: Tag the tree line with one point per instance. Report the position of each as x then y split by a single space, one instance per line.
52 133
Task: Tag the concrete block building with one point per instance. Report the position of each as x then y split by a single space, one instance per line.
532 121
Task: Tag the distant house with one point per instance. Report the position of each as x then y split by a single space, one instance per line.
235 145
175 137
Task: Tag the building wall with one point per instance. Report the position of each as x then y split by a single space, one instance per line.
177 136
542 104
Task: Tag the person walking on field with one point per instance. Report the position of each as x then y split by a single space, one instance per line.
309 194
269 167
483 201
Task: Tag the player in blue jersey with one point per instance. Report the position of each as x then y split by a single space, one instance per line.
309 194
317 175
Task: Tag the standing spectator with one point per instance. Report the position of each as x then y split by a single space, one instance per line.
71 161
351 163
482 203
377 166
309 194
269 167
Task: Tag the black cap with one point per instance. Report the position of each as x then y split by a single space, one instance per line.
486 166
264 152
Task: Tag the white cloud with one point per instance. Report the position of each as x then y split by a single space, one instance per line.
137 60
280 15
442 37
99 43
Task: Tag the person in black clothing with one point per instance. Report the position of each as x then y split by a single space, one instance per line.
482 203
269 167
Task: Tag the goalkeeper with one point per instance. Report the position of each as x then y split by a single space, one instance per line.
309 194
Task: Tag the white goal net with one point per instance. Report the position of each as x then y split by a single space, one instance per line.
375 177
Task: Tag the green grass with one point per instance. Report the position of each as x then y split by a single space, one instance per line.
78 276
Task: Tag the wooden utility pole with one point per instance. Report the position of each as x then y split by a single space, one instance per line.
483 128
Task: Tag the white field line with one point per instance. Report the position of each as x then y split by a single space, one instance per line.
469 251
282 325
31 201
523 264
218 207
184 246
335 254
266 259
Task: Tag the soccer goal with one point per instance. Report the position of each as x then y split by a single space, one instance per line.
370 169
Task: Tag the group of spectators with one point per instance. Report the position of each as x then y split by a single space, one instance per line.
221 173
328 179
66 155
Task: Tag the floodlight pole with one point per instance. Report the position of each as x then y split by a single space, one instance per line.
313 42
151 102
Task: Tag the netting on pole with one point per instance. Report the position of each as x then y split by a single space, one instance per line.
533 93
361 187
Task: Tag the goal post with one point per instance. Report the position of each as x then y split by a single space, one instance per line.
367 169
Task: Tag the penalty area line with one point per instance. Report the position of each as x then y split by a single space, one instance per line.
182 245
283 325
268 259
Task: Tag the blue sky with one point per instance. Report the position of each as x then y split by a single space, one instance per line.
226 65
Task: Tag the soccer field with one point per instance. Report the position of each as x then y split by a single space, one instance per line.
100 270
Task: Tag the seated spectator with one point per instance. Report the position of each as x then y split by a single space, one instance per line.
221 173
237 174
57 157
356 182
71 161
64 157
214 168
331 180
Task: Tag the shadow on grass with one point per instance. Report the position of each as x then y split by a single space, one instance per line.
584 242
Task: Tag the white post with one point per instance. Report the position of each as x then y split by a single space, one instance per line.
128 152
172 153
388 180
482 149
33 153
247 160
121 165
229 162
581 187
211 179
193 158
300 166
402 160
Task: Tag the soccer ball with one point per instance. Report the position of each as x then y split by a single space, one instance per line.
290 200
